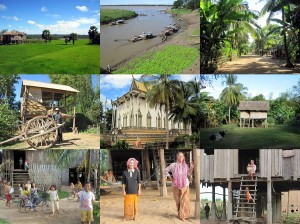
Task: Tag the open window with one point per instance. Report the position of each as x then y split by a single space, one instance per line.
245 155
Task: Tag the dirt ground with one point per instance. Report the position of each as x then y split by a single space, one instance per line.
69 214
184 38
152 208
254 64
70 141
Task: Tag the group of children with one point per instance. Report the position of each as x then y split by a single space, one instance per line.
85 196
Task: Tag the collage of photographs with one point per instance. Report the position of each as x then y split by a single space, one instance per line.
250 111
100 129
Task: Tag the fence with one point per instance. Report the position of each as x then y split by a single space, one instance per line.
46 175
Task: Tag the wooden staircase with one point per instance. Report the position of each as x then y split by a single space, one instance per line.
19 177
243 208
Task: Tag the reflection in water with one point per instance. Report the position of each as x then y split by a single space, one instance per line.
115 46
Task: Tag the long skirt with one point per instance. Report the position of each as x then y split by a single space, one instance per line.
182 199
130 206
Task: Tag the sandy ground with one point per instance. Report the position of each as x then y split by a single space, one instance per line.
254 64
183 38
153 209
70 141
69 214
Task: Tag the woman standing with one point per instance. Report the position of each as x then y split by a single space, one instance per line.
181 191
131 185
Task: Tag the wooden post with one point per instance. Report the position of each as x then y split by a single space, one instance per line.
213 205
147 164
224 205
74 111
269 188
253 123
278 208
163 187
25 95
52 102
196 155
240 122
229 210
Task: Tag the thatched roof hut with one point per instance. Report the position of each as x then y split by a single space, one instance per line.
13 37
253 110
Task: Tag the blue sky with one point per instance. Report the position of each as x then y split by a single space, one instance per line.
60 17
135 2
113 86
258 84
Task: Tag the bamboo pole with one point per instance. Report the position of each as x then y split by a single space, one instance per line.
74 111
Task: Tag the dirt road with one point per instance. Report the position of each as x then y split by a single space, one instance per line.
152 208
254 64
70 141
69 214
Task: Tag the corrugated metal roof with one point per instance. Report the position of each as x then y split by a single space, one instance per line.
44 85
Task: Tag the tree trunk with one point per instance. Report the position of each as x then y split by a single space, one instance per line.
288 61
229 120
163 191
88 165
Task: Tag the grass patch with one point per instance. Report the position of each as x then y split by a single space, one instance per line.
96 212
181 11
277 137
292 219
3 221
109 15
63 194
196 32
170 60
52 58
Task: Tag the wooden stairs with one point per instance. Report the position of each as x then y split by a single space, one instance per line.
243 208
19 177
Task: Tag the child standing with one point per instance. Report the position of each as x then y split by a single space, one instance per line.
86 198
7 189
54 199
21 163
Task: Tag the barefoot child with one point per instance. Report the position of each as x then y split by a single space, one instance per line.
248 195
54 199
86 198
7 189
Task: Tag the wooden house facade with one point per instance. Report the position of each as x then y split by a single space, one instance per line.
43 169
277 171
252 111
13 37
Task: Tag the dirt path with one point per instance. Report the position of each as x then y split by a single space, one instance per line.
183 38
69 214
152 208
254 64
70 141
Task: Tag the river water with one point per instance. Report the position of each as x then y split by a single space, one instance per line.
115 46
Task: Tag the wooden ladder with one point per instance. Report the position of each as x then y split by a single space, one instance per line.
243 207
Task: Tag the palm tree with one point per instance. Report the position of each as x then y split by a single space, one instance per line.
46 35
185 111
73 37
163 92
273 6
233 93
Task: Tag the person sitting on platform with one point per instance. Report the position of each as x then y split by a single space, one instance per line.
251 168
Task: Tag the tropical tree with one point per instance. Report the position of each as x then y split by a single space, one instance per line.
46 35
274 6
73 37
165 93
94 35
233 93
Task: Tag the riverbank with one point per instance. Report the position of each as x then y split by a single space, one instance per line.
110 15
185 39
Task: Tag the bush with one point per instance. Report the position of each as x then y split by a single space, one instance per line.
96 213
8 122
271 121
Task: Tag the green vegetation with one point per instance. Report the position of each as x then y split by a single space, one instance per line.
109 15
291 219
62 194
196 32
3 221
181 11
96 212
53 58
226 25
277 137
171 59
187 4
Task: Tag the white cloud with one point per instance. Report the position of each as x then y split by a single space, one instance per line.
82 8
186 78
79 26
116 81
9 25
2 7
44 9
11 17
31 22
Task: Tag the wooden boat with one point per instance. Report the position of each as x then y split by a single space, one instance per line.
120 21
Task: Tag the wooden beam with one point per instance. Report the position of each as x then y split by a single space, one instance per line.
213 205
229 209
74 111
196 155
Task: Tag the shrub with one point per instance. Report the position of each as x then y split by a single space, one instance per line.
271 121
8 122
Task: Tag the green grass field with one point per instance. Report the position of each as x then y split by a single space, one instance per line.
278 137
180 11
109 15
170 60
3 221
55 57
